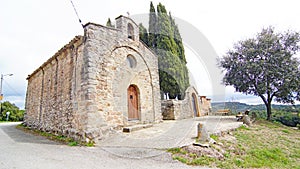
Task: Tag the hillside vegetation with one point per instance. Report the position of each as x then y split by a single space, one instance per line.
241 107
286 114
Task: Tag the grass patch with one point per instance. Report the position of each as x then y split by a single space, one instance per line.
53 137
177 151
192 155
264 145
181 159
194 160
243 127
202 161
285 131
90 144
215 137
270 157
73 143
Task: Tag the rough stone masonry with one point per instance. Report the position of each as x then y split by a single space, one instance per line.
103 80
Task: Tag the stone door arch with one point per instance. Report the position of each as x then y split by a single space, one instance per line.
133 103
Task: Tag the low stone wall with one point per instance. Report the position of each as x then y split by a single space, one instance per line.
193 105
175 109
171 109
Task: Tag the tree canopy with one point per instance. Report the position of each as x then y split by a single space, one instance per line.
265 66
15 113
165 40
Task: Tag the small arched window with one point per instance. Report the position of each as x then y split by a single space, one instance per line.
131 61
130 31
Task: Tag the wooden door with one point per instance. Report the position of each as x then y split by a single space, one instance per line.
133 106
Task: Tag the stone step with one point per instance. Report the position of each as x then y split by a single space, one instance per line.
136 127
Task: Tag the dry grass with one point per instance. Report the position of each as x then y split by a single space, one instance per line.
264 145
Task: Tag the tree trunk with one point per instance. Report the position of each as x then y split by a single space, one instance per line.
269 112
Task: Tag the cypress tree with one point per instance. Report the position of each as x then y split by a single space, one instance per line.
172 64
109 24
143 34
152 27
178 39
165 40
180 51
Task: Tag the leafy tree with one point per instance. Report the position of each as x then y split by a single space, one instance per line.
109 24
15 113
264 66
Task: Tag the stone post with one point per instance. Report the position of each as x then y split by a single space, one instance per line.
199 131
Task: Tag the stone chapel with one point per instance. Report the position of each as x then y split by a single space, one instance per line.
100 82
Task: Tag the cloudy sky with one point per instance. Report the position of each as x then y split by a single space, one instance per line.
32 31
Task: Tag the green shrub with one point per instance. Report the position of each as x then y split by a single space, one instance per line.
298 125
289 120
259 114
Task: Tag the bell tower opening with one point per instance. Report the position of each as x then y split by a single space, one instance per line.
130 31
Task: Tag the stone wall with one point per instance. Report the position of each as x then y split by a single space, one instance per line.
171 109
182 109
205 105
52 91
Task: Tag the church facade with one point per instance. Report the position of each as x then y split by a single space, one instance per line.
98 82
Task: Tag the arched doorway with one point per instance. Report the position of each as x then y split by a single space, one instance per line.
133 103
195 105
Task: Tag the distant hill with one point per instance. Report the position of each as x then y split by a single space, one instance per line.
242 107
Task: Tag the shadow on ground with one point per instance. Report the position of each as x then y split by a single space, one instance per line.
21 136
